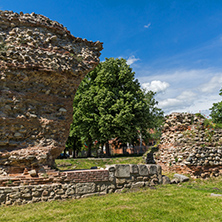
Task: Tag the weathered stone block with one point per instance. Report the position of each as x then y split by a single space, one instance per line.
128 185
138 185
27 195
120 181
70 191
134 169
154 182
111 176
36 194
45 193
165 180
83 188
60 191
32 173
181 177
36 199
143 170
152 169
2 198
91 194
15 195
159 170
122 170
101 187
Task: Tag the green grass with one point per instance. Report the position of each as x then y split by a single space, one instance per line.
87 163
190 201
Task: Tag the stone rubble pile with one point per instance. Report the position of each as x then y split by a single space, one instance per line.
41 67
188 145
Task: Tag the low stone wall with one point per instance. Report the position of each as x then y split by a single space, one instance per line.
77 184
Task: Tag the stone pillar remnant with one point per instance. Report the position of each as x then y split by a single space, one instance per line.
41 67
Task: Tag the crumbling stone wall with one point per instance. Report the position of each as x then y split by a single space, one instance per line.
189 146
41 67
80 183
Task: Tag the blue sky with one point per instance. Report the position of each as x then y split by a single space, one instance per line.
174 47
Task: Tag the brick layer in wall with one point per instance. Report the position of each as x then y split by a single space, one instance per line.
61 177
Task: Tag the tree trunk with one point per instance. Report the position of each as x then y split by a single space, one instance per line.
89 154
74 151
124 148
107 150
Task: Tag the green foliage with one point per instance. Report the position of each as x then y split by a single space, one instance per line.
156 116
216 111
208 123
110 104
73 143
218 125
199 115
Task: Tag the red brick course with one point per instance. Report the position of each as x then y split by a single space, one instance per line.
82 176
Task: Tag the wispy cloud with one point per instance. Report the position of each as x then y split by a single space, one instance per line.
182 101
147 26
132 59
214 83
203 56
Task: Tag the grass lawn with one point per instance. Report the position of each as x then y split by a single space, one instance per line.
87 163
191 201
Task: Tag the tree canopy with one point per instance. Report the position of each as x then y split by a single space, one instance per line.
216 111
110 104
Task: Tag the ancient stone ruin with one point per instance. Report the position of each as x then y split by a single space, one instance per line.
79 183
41 67
189 145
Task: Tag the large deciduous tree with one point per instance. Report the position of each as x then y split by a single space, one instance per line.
216 111
110 104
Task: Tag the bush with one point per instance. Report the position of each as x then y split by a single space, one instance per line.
199 115
218 126
208 123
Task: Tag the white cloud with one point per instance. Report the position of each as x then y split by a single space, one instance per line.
187 90
214 83
131 60
186 98
147 26
156 86
189 101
